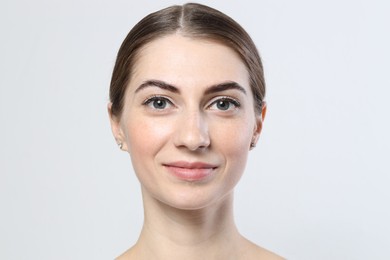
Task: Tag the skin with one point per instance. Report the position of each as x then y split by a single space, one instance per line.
189 105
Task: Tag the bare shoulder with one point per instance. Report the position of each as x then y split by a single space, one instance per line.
256 252
127 255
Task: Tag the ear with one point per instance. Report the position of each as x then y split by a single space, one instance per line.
116 129
259 123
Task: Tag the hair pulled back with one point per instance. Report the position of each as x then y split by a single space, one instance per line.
190 20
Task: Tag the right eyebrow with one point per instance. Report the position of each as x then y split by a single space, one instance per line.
159 84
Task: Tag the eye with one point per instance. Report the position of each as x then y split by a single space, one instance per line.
158 103
224 104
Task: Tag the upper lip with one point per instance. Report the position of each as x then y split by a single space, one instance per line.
190 165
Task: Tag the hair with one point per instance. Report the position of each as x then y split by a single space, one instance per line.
190 20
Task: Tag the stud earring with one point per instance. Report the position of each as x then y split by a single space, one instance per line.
253 145
120 145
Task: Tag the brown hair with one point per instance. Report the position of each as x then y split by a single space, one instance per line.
190 20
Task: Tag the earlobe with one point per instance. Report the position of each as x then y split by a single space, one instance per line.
116 129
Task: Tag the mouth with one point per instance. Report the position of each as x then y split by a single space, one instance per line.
186 171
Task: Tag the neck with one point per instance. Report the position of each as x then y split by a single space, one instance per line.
203 233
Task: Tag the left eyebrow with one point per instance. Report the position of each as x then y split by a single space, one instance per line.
223 87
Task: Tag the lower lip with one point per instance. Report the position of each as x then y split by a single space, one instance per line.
190 174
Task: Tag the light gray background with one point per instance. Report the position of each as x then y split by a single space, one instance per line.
316 187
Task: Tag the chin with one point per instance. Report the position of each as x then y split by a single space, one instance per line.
195 199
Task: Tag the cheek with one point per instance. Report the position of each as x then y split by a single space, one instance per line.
146 137
233 137
233 142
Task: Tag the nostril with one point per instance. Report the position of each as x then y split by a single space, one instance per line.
193 134
194 143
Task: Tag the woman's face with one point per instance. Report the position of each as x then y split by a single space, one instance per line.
188 121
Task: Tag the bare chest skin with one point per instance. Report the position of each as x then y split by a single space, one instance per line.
249 251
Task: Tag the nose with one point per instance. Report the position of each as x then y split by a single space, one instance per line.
192 132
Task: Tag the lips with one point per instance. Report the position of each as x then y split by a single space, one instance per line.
187 171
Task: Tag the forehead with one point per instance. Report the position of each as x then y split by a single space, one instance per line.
187 61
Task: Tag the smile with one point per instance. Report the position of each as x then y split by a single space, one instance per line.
192 172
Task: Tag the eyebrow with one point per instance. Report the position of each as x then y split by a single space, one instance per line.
159 84
212 89
224 86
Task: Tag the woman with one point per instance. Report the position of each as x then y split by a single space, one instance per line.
186 102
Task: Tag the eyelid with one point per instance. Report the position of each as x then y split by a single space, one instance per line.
148 101
229 99
232 100
154 97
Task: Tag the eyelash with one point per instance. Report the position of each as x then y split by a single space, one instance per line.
232 101
149 100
